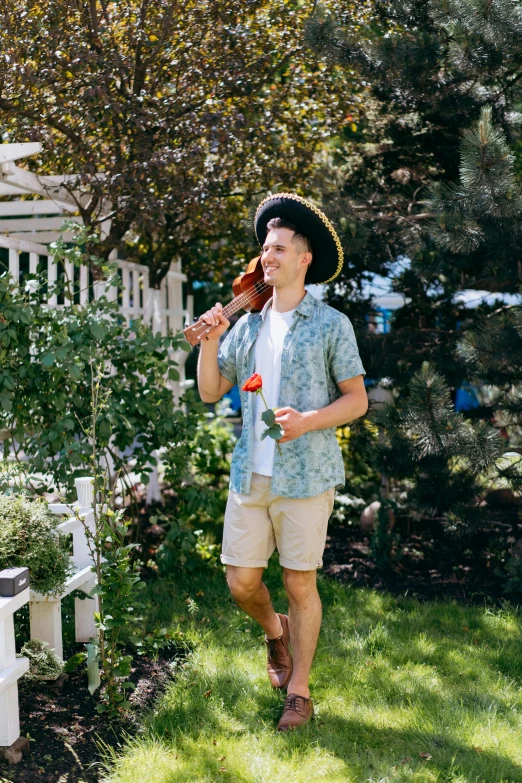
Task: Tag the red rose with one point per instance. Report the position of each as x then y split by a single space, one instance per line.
254 383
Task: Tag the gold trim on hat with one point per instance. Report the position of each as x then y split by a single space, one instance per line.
322 216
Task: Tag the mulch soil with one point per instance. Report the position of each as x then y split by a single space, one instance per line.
66 733
427 563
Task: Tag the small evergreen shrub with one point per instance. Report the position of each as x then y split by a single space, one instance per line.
29 537
44 664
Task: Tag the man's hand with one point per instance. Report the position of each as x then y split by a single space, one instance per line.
294 424
352 404
215 318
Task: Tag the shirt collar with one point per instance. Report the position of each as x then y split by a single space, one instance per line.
305 306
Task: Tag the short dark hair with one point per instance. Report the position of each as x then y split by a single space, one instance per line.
301 240
297 239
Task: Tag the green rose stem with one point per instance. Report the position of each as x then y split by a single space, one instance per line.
260 391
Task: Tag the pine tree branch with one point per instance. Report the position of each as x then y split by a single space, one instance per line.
369 205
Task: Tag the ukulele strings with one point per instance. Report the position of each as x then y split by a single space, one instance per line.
245 296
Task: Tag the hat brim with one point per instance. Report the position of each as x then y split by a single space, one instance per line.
326 245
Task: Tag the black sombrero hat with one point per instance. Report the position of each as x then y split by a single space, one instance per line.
326 245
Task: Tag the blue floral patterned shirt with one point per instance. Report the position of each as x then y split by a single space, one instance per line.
319 351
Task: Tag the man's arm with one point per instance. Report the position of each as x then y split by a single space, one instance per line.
351 405
211 384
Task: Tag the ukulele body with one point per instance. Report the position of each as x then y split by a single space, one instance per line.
252 278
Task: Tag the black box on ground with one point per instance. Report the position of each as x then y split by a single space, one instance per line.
13 581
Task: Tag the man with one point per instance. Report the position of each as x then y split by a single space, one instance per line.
307 356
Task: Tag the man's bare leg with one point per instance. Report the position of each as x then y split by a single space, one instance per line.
253 597
305 615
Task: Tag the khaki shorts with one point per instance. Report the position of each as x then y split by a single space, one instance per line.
255 524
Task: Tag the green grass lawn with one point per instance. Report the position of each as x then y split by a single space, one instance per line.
404 691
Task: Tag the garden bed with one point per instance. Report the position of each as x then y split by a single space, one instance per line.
426 561
66 733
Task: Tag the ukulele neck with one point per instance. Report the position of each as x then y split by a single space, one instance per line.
235 305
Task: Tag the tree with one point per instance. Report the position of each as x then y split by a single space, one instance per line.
441 454
432 176
430 68
172 116
492 354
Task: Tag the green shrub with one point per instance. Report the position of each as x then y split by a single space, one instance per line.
358 441
197 470
29 537
43 661
47 360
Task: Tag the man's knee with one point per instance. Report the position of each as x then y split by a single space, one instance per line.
243 583
300 585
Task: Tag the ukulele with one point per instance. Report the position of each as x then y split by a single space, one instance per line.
251 293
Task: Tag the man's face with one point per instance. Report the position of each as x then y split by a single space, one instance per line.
282 263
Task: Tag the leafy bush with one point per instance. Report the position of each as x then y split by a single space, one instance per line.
43 661
29 537
446 457
513 585
357 442
47 357
346 507
118 582
197 470
117 577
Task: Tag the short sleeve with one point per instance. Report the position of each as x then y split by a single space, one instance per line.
227 356
343 353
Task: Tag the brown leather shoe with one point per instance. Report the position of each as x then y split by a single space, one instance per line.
297 710
279 661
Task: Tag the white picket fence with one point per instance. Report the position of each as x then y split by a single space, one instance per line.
45 611
11 669
162 308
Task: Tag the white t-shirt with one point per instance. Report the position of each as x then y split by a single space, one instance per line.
269 346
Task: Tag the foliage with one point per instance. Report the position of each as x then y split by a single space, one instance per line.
197 470
513 584
117 578
382 538
170 117
345 507
43 661
118 583
357 442
479 218
29 537
446 455
430 68
46 355
427 192
491 353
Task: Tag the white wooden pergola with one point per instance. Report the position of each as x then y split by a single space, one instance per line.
42 216
31 217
